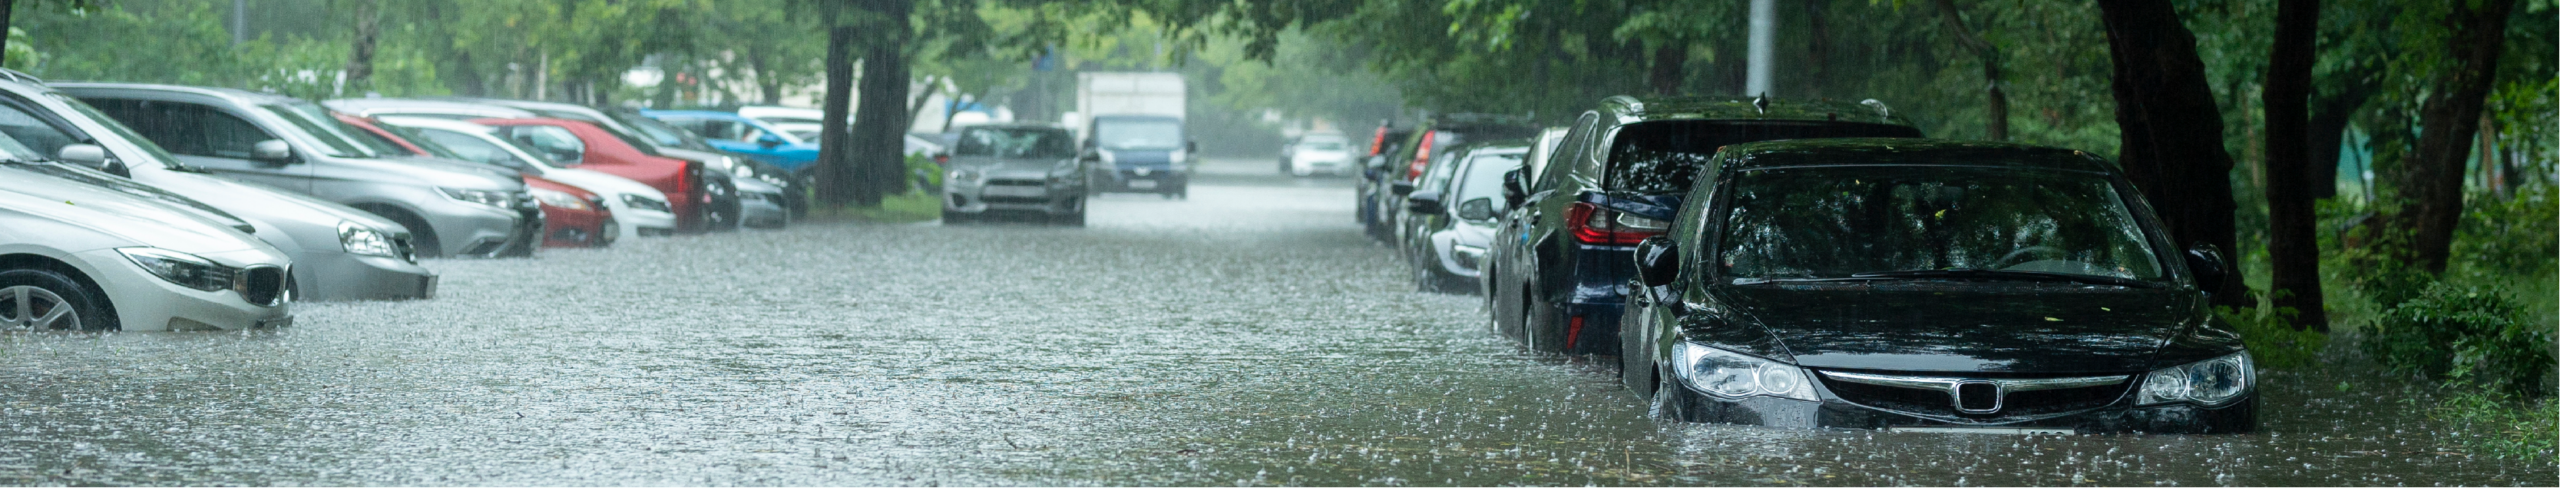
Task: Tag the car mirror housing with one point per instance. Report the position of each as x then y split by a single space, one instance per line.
2206 261
1476 209
1423 203
1401 188
272 150
92 156
1657 261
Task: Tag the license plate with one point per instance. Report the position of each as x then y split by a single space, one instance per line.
1142 184
1015 191
1986 430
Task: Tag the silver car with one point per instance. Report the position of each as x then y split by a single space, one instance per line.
451 208
739 193
339 253
95 252
1024 168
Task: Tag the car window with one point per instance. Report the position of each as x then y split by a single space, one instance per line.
187 128
1482 177
553 142
37 134
1664 157
1015 143
1126 134
471 148
661 133
314 125
1564 152
153 149
1829 222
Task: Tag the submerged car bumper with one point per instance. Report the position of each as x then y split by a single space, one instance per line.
323 276
2115 415
145 302
763 210
1020 195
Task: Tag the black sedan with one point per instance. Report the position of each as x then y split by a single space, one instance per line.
1929 285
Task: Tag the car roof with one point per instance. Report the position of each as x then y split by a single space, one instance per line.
1907 152
1009 125
1631 109
410 106
697 113
433 123
233 94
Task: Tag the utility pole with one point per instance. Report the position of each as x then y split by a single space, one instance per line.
1764 33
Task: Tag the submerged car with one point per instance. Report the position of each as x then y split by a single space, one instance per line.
452 208
1454 218
1929 285
339 253
1614 180
638 209
94 252
724 177
1024 168
1326 152
1428 141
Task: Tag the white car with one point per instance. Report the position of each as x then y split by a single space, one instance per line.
641 209
1327 153
93 255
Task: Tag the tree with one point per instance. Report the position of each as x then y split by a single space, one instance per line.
1996 102
2172 130
2292 247
835 167
2449 119
368 27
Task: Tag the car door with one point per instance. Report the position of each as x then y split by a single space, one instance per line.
207 137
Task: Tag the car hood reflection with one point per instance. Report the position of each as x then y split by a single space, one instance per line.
2053 329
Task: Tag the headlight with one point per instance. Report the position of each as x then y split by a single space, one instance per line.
1178 158
2212 383
963 175
1107 158
741 168
637 202
1729 374
360 240
1467 256
184 269
560 199
493 198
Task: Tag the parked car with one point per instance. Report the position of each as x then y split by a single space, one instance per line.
769 201
1456 214
637 209
1372 182
584 146
1929 285
91 255
1427 141
1140 154
571 216
743 135
1616 180
721 198
452 208
1322 152
1030 168
339 253
1534 164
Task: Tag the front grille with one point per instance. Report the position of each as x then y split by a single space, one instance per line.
261 285
1033 200
1016 182
2015 399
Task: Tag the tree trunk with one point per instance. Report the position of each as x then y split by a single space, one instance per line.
2447 121
2330 115
1996 103
1668 59
6 8
835 145
360 56
879 125
2293 246
2171 142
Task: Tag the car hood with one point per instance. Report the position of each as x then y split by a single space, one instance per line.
1008 167
119 213
1969 327
440 172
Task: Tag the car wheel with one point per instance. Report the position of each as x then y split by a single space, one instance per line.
725 213
44 299
1540 327
1424 280
1670 401
422 238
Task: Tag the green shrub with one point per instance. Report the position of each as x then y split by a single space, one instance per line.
2517 236
2272 340
2469 335
2501 426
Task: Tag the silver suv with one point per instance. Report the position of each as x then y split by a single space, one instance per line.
452 208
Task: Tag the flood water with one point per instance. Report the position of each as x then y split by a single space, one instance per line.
1249 335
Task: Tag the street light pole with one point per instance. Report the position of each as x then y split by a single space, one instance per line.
1764 27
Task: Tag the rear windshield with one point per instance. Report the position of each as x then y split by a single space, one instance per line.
1664 157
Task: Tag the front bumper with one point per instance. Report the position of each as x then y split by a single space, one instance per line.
1145 180
763 210
2118 416
1013 195
578 228
325 276
144 302
475 230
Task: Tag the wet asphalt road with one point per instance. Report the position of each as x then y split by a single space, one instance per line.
1249 335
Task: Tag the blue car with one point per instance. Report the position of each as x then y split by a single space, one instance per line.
739 134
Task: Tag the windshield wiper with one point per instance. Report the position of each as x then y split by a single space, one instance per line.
1986 274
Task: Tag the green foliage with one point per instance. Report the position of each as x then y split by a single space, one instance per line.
2272 339
928 176
2515 430
2517 236
2469 335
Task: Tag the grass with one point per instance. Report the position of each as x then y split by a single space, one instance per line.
900 209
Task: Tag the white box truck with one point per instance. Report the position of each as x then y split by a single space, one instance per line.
1131 125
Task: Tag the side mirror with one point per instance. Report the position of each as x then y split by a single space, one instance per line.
272 150
768 141
1657 261
1424 203
2206 260
94 157
1477 209
1512 192
1401 188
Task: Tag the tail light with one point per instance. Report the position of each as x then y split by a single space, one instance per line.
1421 156
1591 224
1378 142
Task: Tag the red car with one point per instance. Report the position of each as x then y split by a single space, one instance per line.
584 146
571 216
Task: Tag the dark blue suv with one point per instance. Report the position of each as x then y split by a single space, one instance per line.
1560 260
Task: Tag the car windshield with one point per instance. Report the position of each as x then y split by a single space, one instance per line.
1482 177
1837 222
1015 143
1662 157
1138 134
327 134
1321 145
167 160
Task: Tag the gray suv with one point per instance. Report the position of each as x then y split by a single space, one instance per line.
451 208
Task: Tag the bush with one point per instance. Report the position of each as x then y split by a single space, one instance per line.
2272 340
2518 236
2503 427
2469 335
